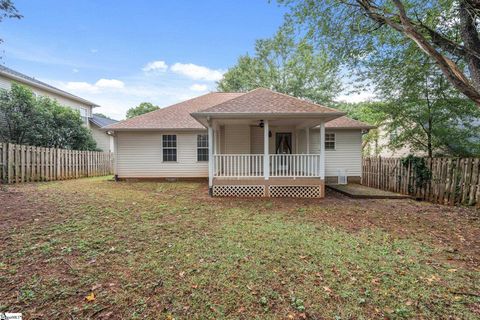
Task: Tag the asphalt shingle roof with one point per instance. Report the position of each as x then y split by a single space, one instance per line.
266 101
101 121
347 123
176 116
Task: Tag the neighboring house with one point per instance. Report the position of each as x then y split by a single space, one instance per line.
259 143
104 140
8 76
379 146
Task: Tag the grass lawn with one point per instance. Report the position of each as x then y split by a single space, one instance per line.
167 250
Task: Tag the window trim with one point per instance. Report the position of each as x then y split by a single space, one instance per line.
334 141
170 148
203 148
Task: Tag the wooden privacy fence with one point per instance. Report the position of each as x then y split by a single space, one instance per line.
19 163
452 180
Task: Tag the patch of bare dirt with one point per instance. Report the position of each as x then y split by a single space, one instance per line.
20 205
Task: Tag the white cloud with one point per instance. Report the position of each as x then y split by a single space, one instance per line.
198 87
95 88
158 65
75 70
81 86
196 72
110 83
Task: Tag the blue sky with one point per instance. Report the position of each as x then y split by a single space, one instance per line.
120 53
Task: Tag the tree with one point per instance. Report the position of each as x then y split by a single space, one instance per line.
445 30
8 11
17 112
61 127
25 119
142 108
285 65
419 107
98 114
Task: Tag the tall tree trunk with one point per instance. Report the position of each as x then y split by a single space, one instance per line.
469 35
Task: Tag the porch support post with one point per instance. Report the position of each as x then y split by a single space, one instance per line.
266 151
322 151
210 157
307 137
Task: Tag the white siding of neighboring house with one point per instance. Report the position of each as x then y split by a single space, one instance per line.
104 141
380 147
139 155
5 83
347 154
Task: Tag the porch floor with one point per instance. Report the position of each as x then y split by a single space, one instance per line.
355 190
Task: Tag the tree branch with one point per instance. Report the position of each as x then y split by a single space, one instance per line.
447 66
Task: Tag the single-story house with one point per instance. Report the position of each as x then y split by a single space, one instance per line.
259 143
83 106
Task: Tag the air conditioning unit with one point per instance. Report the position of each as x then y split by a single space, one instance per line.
342 176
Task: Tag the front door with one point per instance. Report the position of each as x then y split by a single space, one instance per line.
283 146
283 143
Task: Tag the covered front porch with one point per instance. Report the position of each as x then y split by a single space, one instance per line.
266 157
259 145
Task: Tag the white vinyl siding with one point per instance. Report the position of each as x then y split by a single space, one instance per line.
139 155
237 139
104 141
347 154
256 140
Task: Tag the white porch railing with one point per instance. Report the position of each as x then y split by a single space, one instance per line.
238 165
281 165
295 165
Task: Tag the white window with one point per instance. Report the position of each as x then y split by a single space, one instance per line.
83 112
169 146
329 141
202 147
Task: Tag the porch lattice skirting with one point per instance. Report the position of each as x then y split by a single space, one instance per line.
238 191
295 191
277 191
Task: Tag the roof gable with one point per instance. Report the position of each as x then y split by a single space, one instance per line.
265 101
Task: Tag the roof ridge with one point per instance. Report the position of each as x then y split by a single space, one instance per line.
215 105
316 105
302 99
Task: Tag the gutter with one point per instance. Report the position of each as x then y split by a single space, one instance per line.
106 128
272 115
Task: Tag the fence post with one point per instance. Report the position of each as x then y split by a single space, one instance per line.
10 163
